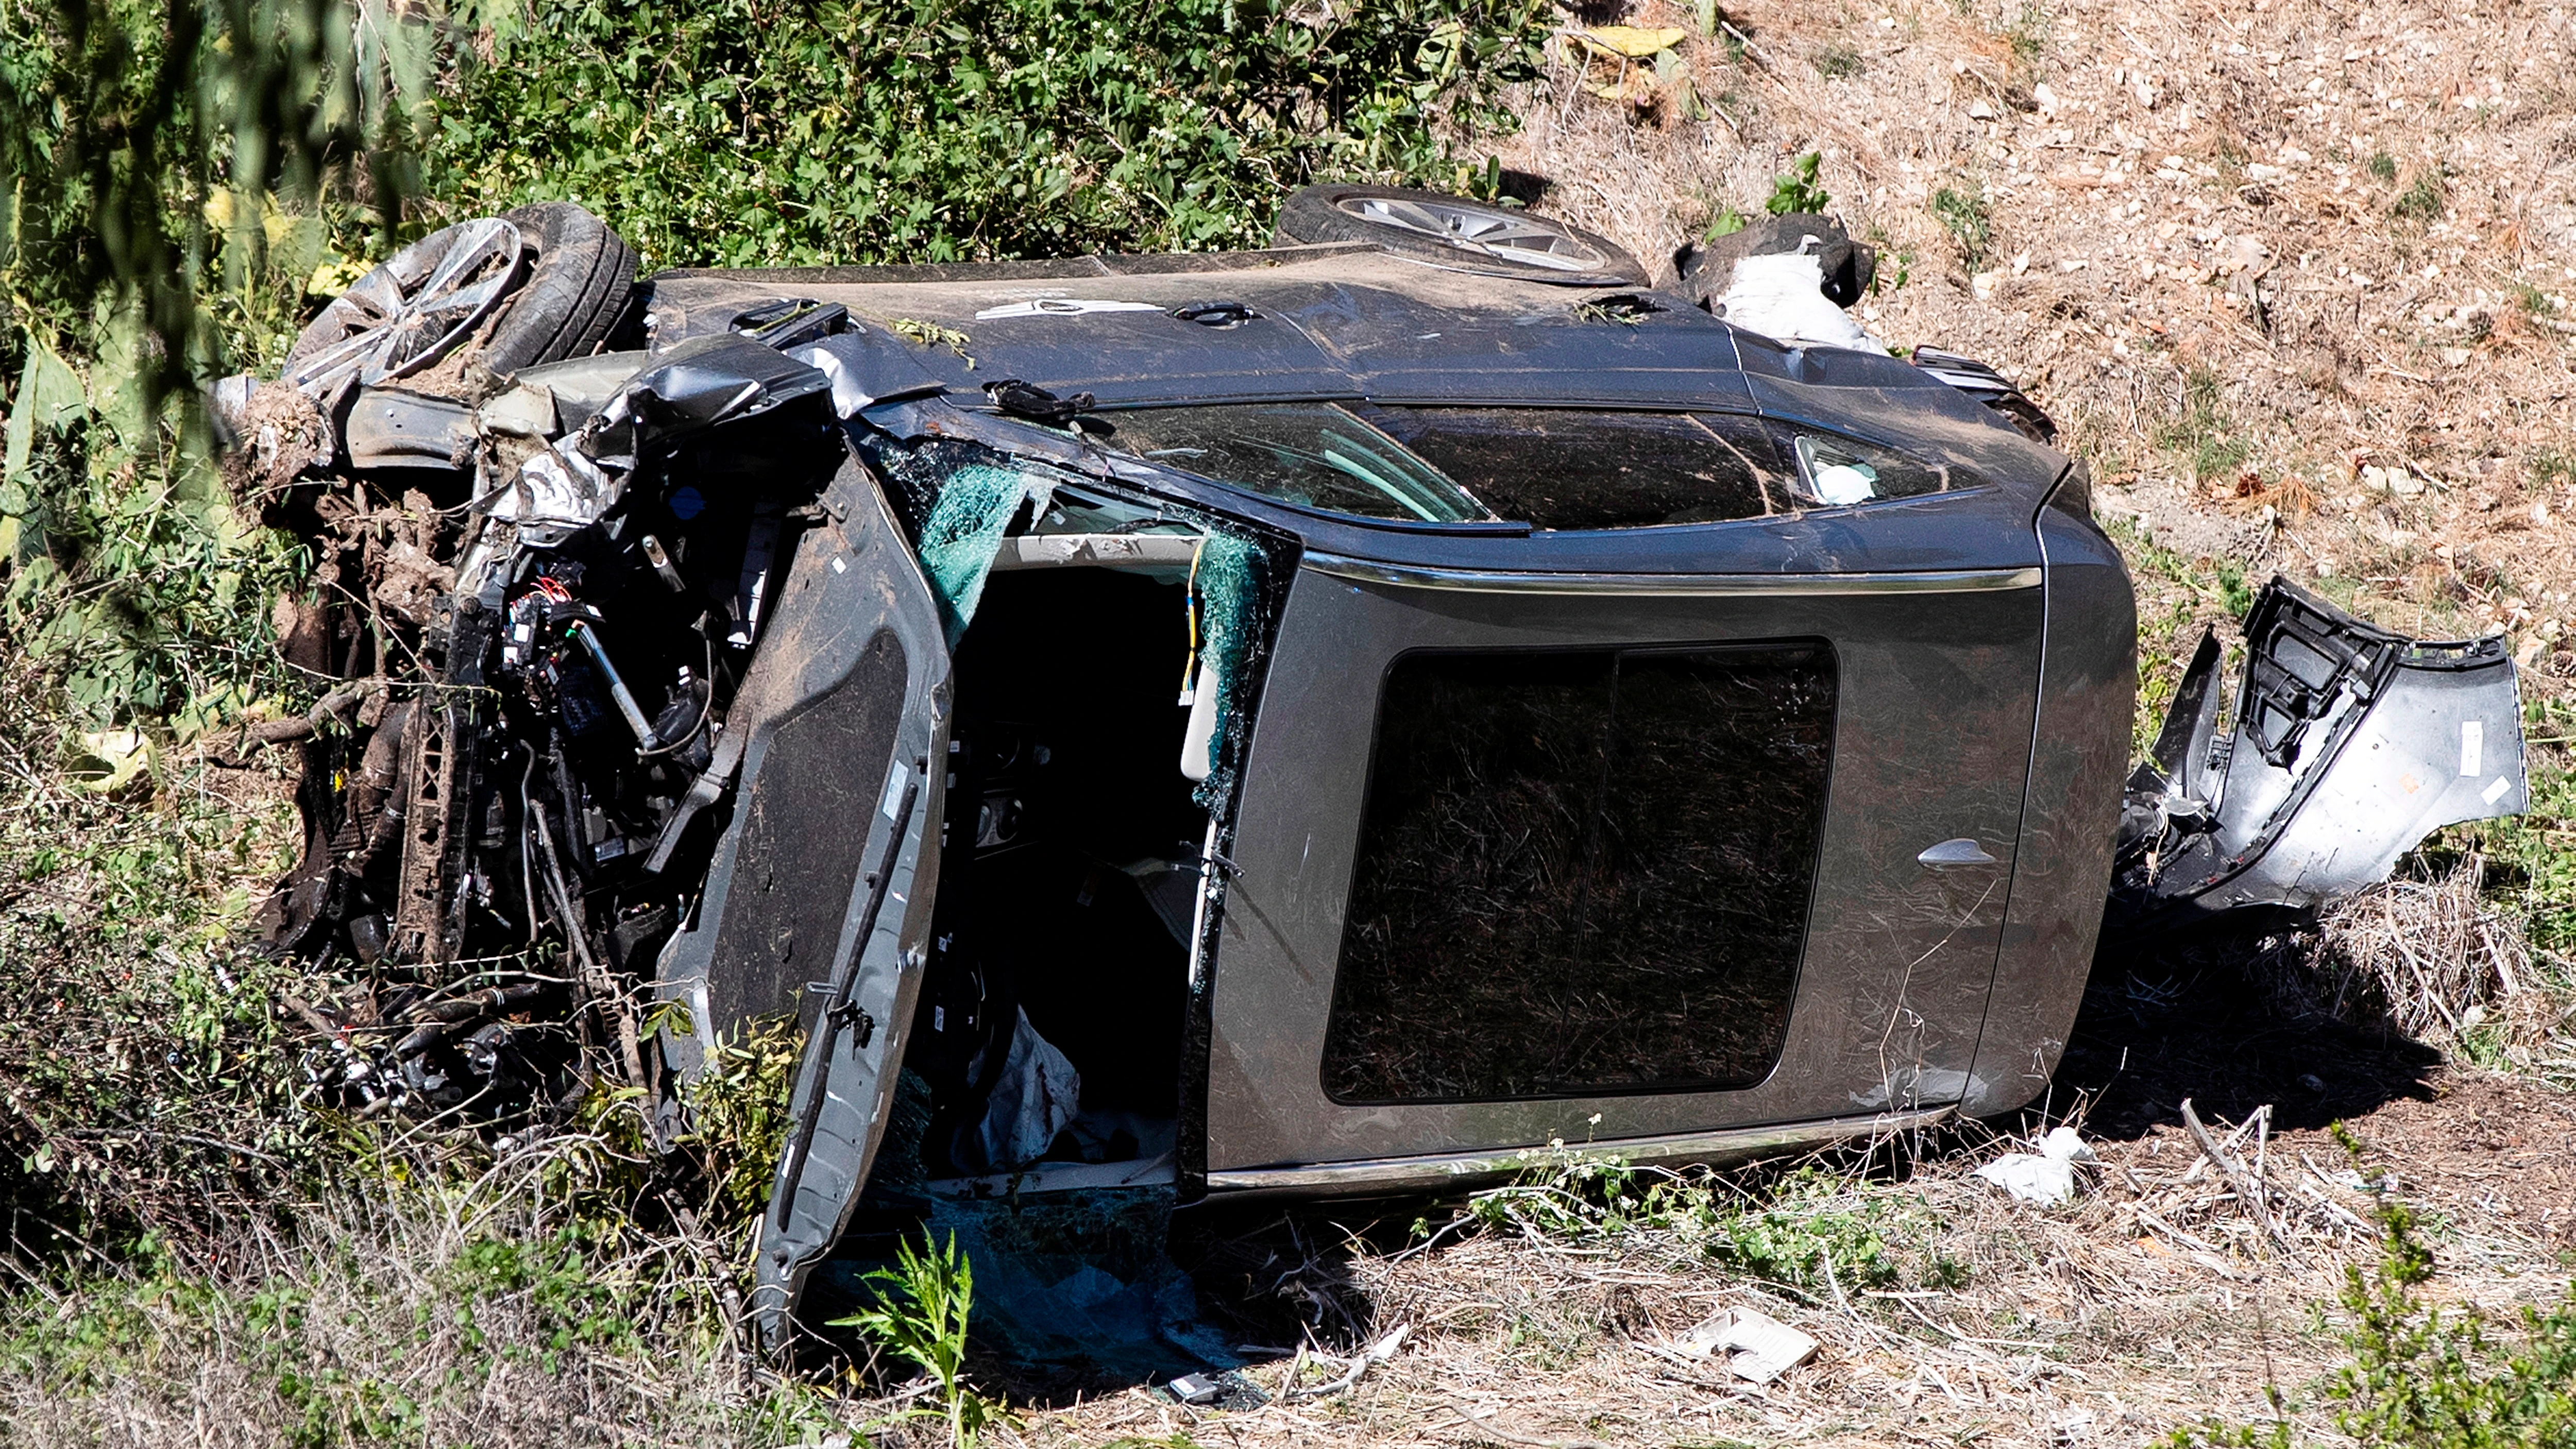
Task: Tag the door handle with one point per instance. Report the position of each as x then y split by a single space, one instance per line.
1950 854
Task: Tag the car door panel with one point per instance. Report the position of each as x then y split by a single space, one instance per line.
817 902
1936 672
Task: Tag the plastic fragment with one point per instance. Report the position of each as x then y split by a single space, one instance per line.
1757 1347
2046 1177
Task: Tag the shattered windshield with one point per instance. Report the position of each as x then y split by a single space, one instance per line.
1314 455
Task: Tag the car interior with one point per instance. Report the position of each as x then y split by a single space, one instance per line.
1052 1011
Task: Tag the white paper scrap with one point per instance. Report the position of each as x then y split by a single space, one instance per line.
1757 1347
2495 789
2473 740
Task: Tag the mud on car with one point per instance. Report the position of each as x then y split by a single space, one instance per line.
1325 720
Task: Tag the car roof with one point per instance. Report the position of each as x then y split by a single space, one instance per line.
1342 320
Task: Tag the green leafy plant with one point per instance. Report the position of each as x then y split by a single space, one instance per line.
737 1114
1962 213
921 1308
2420 1376
764 132
2383 166
1796 190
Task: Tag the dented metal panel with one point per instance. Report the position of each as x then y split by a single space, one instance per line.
818 901
2349 745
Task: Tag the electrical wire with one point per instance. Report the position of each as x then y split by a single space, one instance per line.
705 707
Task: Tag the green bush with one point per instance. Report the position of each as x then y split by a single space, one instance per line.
743 132
2421 1378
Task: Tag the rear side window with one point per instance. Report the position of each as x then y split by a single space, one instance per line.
1582 873
1837 472
1571 468
1314 455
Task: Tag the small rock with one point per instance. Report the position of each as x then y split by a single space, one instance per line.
1978 110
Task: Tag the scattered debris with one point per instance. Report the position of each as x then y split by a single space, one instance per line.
2046 1176
1352 1369
1756 1347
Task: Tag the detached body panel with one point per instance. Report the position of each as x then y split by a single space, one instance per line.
2350 744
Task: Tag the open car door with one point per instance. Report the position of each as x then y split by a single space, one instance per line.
818 898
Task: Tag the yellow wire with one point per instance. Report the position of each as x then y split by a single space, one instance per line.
1190 615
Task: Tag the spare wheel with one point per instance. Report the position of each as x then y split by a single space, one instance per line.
540 284
1454 231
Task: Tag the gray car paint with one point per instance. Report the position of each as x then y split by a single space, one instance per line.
1940 610
852 589
1932 740
2079 752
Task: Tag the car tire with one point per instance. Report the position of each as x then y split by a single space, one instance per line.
575 294
1458 232
566 296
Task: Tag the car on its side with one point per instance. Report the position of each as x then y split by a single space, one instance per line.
1327 720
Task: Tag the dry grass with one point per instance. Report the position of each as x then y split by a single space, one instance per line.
2436 960
2155 1300
481 1314
2242 251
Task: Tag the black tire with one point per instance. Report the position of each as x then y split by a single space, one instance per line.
577 279
575 292
1435 227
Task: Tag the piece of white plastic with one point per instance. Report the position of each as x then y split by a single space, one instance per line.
1757 1347
1201 736
2046 1177
1782 297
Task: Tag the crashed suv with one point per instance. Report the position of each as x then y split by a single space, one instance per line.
1324 720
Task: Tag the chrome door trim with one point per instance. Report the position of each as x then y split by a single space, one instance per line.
1448 1170
1943 581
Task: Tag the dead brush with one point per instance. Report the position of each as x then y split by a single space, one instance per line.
2432 958
494 1309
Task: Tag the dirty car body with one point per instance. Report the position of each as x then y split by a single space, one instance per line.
1299 722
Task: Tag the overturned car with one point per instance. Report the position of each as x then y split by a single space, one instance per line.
1324 720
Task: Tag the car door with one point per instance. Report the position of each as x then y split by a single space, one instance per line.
1621 832
818 899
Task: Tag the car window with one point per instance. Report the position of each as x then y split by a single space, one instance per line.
1836 472
1581 872
1312 454
1573 468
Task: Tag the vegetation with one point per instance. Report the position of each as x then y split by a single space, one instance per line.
920 1313
763 132
1808 1228
1963 214
180 187
1796 190
2419 1376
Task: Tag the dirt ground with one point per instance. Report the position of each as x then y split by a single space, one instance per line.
2148 1304
2300 283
